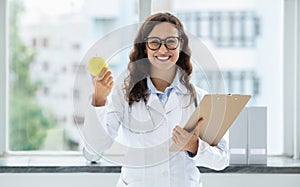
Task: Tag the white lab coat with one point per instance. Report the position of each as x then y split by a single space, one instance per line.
148 162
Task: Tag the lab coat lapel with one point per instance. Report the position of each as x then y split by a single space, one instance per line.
172 102
155 104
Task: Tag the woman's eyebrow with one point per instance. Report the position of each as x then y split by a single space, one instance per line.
162 38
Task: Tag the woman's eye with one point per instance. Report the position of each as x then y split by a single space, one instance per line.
171 41
155 41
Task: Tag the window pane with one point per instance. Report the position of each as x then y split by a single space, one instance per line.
47 40
245 38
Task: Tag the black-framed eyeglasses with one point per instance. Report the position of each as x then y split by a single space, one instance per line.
171 43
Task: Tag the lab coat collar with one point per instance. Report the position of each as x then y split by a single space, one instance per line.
172 103
173 100
176 84
155 104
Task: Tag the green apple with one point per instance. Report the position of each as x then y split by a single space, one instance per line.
96 64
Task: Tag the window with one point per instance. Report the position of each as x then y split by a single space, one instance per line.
44 57
244 37
235 28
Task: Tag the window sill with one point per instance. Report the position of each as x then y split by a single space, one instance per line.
78 164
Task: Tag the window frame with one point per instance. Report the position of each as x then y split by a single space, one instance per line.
3 77
291 78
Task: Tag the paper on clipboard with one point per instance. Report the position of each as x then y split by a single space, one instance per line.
219 112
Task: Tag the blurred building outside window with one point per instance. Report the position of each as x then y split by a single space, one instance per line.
52 39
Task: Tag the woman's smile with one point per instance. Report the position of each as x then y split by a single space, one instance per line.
163 57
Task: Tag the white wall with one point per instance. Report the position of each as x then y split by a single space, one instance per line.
107 180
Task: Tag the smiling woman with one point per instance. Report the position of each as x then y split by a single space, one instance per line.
146 111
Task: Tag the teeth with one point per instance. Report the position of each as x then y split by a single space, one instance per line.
163 58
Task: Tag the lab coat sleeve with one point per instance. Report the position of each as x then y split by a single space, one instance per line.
214 157
102 123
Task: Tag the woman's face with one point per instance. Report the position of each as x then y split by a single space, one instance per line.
163 58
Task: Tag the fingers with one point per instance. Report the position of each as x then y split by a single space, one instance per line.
201 120
105 77
179 135
177 139
197 129
104 74
179 130
109 80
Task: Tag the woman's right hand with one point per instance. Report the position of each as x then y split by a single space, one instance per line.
103 84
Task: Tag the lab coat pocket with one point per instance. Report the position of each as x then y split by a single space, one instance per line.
121 183
193 183
125 183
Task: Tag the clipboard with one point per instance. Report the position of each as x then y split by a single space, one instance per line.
219 112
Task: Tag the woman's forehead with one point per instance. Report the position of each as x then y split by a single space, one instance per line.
163 30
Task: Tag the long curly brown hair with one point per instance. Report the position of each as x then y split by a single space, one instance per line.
139 66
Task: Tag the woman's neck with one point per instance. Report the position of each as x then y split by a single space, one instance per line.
162 79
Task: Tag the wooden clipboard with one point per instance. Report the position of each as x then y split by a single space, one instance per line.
219 112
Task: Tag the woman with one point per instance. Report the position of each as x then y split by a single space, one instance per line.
147 111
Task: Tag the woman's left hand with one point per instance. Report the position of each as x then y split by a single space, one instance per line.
187 141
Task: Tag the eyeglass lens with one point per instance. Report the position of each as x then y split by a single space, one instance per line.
171 43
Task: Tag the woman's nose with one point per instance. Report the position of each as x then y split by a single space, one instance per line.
163 48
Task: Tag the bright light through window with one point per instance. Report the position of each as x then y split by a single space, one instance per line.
47 40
